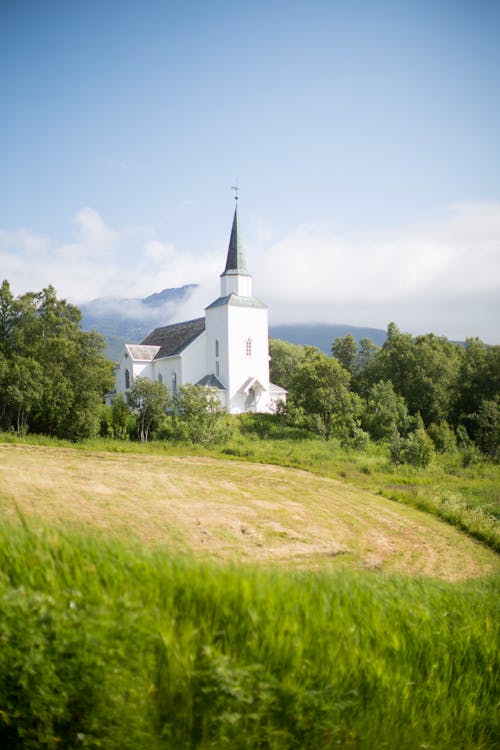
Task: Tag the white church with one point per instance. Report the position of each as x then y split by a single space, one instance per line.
226 350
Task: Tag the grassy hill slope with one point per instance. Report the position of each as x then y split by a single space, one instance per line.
230 510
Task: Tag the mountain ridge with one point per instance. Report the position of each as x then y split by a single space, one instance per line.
122 320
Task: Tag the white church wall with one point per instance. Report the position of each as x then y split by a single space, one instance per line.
141 369
248 344
168 371
240 284
217 343
194 361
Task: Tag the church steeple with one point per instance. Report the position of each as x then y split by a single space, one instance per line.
236 279
235 262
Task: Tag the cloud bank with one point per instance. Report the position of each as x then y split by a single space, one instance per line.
442 276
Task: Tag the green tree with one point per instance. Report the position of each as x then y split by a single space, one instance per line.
285 358
22 391
478 381
385 411
423 370
71 369
8 316
199 416
320 388
345 350
487 432
368 369
120 415
148 400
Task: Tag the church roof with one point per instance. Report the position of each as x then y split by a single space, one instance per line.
210 381
173 339
273 388
236 300
144 353
235 262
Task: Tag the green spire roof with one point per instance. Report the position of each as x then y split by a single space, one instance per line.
235 262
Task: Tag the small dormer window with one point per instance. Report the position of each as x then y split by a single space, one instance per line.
248 347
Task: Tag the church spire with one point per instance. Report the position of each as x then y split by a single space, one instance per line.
235 262
235 279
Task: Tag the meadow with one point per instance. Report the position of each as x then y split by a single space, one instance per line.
170 596
108 644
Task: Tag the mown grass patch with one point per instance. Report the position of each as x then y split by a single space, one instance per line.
107 645
467 497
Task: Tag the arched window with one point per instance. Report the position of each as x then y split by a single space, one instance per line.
174 383
248 347
160 379
127 379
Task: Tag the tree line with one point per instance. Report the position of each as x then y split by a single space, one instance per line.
418 393
421 393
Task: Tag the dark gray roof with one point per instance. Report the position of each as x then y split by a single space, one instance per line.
235 262
210 381
173 339
237 301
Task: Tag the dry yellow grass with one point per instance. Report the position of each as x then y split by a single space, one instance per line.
234 511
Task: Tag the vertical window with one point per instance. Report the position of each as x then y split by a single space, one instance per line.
216 347
217 368
160 379
248 347
174 383
127 379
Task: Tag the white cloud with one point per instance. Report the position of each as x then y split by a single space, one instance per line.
442 276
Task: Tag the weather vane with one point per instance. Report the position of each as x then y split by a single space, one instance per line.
235 188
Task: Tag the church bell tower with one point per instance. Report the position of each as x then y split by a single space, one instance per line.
237 334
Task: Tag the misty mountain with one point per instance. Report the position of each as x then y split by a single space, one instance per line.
130 320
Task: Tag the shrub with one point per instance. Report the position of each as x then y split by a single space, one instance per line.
418 448
442 436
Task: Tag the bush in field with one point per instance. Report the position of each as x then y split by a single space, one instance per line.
117 420
442 436
148 401
198 415
418 448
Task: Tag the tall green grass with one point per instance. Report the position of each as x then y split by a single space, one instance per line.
108 646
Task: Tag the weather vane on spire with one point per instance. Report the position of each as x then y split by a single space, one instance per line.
235 188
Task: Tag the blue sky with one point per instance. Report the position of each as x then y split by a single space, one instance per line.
364 137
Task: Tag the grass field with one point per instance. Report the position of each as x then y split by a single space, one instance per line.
231 510
162 597
108 644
